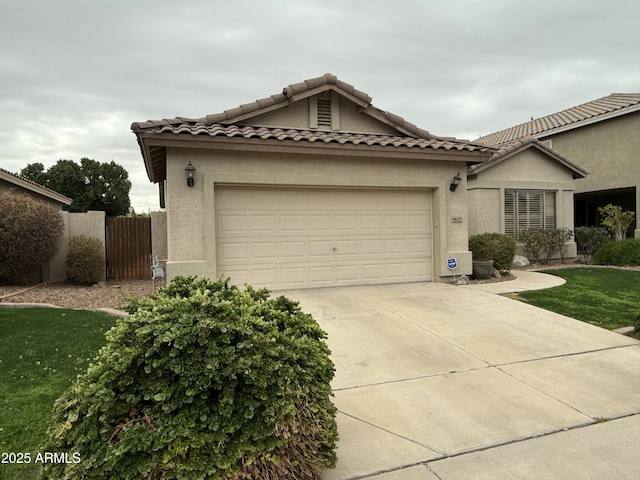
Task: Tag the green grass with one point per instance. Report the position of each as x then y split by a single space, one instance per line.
42 350
606 297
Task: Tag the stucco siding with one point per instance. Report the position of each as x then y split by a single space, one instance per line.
530 166
608 150
190 211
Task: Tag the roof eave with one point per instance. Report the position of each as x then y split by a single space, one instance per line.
156 167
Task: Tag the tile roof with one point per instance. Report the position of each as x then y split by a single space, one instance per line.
233 124
34 187
513 147
290 94
604 108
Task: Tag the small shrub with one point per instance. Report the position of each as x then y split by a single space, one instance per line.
541 245
85 260
619 252
494 246
636 324
202 380
590 239
30 232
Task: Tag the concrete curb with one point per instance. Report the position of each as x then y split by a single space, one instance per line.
110 311
27 305
21 291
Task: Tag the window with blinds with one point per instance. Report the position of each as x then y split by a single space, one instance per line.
524 209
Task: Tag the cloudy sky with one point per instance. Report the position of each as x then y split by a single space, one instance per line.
74 74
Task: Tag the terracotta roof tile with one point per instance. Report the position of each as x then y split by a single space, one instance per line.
596 110
296 135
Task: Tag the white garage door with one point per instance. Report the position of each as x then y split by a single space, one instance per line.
312 237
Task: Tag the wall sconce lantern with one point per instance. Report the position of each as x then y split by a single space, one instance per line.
190 171
456 181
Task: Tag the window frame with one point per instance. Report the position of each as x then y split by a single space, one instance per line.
529 208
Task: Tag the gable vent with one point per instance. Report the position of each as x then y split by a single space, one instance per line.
324 112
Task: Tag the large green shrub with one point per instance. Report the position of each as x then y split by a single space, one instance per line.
30 232
619 252
590 239
202 380
541 245
85 260
494 246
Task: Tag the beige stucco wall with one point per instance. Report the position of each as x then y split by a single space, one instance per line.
527 170
159 235
609 151
299 115
190 211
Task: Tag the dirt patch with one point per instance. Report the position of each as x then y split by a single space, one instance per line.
106 295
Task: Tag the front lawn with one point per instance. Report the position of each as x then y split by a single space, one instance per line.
42 350
606 297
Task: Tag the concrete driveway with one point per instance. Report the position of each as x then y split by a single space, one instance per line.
441 382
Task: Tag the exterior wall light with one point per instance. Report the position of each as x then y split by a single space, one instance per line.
190 171
455 182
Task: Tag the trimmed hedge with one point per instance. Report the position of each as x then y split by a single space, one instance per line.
85 260
619 252
30 232
202 381
494 246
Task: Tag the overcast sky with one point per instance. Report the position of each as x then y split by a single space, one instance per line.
75 74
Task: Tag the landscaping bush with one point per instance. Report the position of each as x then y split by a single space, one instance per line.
590 239
202 380
541 245
30 231
616 220
619 252
85 260
494 246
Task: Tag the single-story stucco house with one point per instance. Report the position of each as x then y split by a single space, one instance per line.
525 184
602 136
310 187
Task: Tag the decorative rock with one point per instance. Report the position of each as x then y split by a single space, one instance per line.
520 262
495 273
463 280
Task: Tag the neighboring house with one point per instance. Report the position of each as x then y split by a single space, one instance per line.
310 187
525 184
10 181
603 137
54 270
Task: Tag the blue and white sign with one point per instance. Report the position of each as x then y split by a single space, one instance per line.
452 263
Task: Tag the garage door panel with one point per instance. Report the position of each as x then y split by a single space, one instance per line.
264 223
296 237
265 251
232 224
292 223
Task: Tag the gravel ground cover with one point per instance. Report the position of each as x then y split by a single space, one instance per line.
106 295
